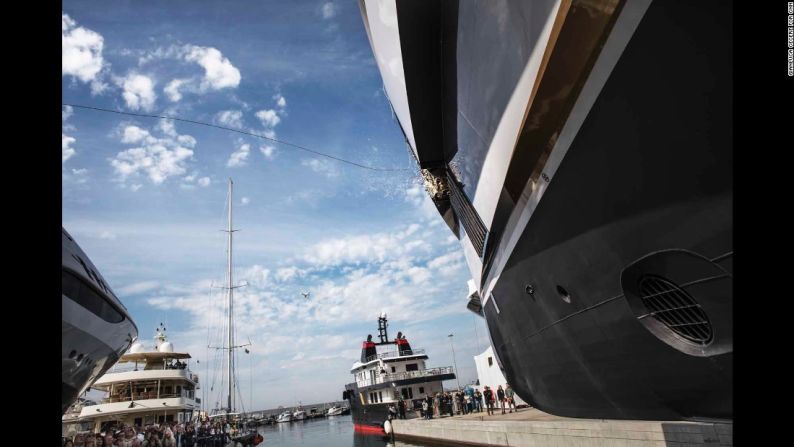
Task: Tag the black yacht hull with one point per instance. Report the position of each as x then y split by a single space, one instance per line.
582 151
367 418
644 191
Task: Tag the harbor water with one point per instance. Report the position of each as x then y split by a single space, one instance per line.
334 431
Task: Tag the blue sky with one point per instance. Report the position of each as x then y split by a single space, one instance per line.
145 198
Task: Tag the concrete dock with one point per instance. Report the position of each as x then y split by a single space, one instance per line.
533 428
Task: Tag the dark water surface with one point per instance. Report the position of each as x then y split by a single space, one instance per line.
334 431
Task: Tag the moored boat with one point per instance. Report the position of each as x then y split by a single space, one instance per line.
386 377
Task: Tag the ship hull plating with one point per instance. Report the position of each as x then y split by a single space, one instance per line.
644 189
577 175
93 337
367 418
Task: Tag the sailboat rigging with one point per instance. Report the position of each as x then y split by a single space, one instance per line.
231 409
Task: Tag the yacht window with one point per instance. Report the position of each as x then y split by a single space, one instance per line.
393 369
81 293
490 361
412 367
380 396
421 390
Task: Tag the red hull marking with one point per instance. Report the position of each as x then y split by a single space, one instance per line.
361 428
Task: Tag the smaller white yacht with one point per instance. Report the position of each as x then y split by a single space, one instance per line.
145 387
285 417
299 415
335 411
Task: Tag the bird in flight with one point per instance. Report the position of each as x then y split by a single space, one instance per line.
306 294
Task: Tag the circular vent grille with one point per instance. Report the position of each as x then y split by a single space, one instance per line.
675 308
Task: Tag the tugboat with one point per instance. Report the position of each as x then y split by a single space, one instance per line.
383 378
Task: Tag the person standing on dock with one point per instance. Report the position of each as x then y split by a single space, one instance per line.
509 393
461 402
489 398
426 414
478 400
430 407
392 412
500 394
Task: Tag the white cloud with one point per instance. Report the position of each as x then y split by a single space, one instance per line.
218 71
418 197
81 51
267 150
186 140
329 10
256 275
238 157
171 90
190 181
135 187
321 166
138 287
287 273
158 158
280 100
66 112
107 235
268 117
446 260
169 128
245 201
230 118
66 150
358 249
134 134
138 91
77 177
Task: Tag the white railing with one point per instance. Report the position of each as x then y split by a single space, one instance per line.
393 377
187 394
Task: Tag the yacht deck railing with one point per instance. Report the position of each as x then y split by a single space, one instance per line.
393 377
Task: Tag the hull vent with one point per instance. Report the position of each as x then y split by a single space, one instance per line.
467 216
675 308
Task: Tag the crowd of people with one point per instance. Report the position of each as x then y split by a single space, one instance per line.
459 402
169 434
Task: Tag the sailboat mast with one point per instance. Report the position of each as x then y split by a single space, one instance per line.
231 302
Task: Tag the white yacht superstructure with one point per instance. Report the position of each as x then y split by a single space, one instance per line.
285 417
335 411
146 387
